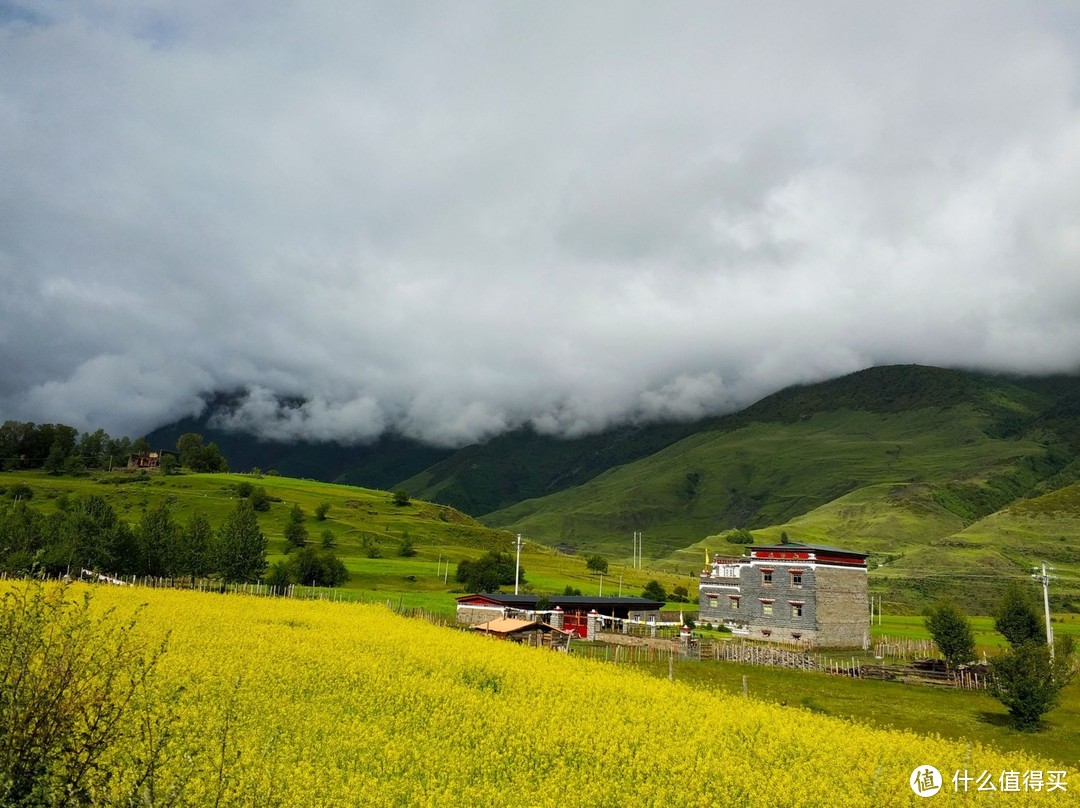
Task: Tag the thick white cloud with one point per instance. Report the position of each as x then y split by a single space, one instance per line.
451 220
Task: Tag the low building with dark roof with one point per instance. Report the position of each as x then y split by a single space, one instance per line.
811 594
568 612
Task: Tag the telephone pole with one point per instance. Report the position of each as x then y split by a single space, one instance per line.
1044 579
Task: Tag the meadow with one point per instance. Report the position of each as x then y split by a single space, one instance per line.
359 520
276 702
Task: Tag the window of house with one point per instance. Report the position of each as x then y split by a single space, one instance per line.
796 578
734 603
796 609
766 609
766 577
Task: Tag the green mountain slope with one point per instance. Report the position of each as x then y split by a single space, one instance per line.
769 473
523 464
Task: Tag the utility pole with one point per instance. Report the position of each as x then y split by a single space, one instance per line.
517 564
601 594
1044 579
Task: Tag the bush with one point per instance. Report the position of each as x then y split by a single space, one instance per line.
740 536
596 563
654 590
401 498
1017 619
406 549
260 500
488 573
952 632
73 690
1027 682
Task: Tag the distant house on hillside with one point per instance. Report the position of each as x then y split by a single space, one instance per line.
148 460
805 593
571 613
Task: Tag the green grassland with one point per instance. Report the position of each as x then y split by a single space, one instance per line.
767 474
953 714
441 536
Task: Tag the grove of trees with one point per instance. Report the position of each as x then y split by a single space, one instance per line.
488 573
86 532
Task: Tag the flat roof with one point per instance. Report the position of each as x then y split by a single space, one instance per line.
817 548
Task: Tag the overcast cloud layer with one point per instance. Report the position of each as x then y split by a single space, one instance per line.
449 219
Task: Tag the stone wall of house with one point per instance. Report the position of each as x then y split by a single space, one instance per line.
843 611
474 615
784 623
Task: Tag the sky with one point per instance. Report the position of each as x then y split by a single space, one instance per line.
447 220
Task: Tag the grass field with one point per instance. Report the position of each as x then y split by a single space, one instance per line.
959 715
440 535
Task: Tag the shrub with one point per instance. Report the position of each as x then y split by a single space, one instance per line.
596 563
952 632
1016 618
654 590
1027 682
740 536
72 688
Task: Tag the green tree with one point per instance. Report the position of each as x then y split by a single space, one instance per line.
240 549
406 549
571 592
654 590
680 594
158 535
1029 683
259 499
54 463
197 457
296 535
1017 618
280 576
188 446
952 632
739 536
488 573
313 567
195 556
328 539
170 465
401 497
321 510
596 563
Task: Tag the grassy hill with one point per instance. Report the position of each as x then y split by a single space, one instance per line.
767 474
358 519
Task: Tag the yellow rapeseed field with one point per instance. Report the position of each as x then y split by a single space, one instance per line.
302 703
